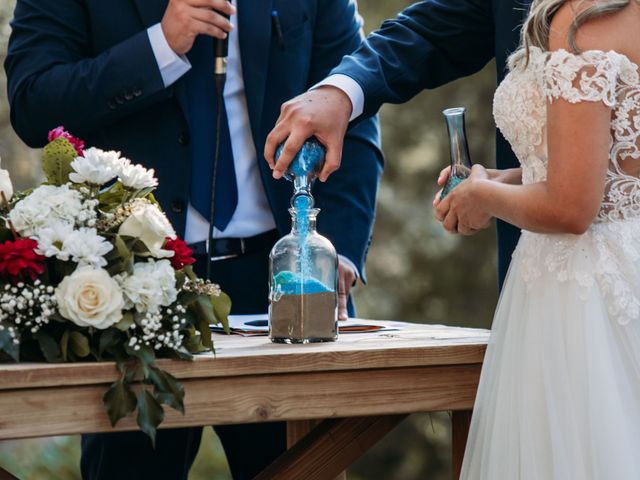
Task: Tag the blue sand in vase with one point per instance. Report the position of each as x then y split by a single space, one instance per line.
290 283
452 183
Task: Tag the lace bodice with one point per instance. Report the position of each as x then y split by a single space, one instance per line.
608 255
595 76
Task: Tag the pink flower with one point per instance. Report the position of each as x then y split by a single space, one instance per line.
61 132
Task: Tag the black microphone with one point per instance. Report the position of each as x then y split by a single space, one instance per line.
220 54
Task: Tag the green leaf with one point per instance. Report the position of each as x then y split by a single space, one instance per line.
205 316
112 197
79 344
109 339
122 249
56 160
150 414
168 389
49 347
145 354
7 346
222 308
64 345
126 322
119 401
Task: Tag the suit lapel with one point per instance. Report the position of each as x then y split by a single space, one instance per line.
254 29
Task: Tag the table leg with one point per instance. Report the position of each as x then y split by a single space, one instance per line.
299 429
329 448
460 422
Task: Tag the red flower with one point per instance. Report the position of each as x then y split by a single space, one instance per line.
19 261
61 132
181 253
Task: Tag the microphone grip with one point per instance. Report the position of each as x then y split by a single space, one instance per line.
221 48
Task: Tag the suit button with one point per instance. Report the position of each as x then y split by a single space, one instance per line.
177 206
128 96
183 138
112 105
119 100
137 92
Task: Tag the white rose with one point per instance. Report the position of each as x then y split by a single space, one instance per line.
89 297
96 167
137 177
150 225
5 184
152 285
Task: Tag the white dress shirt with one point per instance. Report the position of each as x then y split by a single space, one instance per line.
349 86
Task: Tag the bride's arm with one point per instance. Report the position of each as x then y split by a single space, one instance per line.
578 126
570 198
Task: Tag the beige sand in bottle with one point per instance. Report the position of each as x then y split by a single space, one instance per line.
304 318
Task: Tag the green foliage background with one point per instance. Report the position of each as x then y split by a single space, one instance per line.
416 271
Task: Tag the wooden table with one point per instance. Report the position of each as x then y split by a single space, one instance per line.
338 398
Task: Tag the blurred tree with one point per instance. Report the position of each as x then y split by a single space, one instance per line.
416 271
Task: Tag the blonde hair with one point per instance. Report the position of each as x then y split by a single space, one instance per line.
537 27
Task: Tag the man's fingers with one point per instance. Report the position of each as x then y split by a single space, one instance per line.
222 6
205 28
291 148
343 298
332 160
275 138
212 18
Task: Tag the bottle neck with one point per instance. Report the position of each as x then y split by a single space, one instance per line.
303 222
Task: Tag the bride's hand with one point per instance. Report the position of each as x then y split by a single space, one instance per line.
460 212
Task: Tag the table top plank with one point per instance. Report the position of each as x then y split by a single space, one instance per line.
410 345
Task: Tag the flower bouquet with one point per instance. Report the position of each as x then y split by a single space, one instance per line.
91 269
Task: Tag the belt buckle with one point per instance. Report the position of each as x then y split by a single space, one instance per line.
224 257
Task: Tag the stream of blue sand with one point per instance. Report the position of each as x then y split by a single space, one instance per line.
301 282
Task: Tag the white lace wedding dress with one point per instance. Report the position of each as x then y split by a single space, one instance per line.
559 395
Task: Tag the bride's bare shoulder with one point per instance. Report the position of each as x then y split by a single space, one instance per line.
610 29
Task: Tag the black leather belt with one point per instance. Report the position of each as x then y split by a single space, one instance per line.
225 248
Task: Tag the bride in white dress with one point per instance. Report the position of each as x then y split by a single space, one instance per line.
559 394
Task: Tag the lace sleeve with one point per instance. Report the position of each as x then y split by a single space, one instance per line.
589 76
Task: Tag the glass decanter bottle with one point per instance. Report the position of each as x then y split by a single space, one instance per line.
458 149
303 265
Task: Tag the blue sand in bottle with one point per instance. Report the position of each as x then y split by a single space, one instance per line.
307 159
452 183
290 283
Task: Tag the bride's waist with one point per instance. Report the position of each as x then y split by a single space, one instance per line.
612 229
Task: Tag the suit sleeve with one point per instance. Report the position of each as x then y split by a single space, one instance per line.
348 198
52 73
429 44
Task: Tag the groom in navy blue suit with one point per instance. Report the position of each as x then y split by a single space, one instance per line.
429 44
137 76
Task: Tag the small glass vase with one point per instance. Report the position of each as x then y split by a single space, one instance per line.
303 284
458 149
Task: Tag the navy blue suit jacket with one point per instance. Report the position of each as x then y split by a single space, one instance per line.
430 44
89 66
